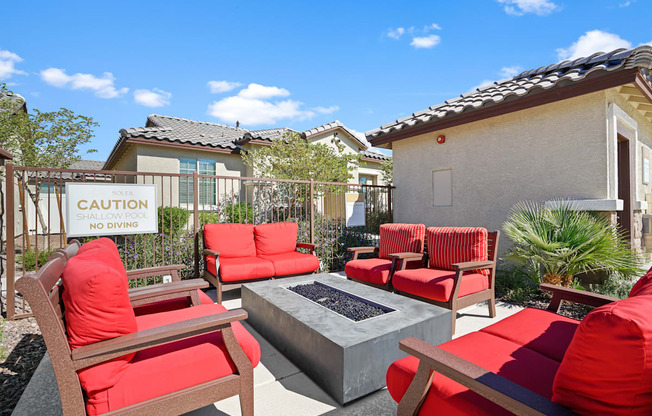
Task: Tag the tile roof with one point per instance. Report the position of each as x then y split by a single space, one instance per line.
269 134
333 125
87 164
551 76
373 155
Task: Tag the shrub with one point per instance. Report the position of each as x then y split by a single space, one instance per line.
172 220
375 219
616 285
29 257
208 217
241 213
564 241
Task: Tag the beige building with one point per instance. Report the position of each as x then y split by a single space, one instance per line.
578 130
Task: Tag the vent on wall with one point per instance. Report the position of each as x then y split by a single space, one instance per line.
442 188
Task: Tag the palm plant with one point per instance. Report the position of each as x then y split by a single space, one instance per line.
565 241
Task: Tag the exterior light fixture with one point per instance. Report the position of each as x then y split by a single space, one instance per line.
441 139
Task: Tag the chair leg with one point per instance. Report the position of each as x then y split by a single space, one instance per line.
247 400
454 313
492 307
219 292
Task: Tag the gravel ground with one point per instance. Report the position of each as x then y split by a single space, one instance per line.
542 300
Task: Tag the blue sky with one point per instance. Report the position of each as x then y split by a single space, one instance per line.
289 64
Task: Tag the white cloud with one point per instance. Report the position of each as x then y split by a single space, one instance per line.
425 41
327 110
433 26
396 33
510 71
521 7
360 136
592 42
8 61
624 4
217 87
251 111
257 91
152 98
102 87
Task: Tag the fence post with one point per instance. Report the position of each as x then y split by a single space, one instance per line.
312 211
389 203
195 202
11 240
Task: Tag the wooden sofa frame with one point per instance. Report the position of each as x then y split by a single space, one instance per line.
42 290
399 261
503 392
219 284
455 303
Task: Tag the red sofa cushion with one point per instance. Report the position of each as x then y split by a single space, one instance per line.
241 268
369 270
607 368
107 248
292 263
505 358
542 331
437 284
230 240
174 366
171 304
400 238
276 238
450 245
97 307
643 286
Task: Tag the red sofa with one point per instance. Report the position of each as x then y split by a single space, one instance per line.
537 361
239 253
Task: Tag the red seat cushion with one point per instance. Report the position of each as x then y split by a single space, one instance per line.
174 366
542 331
607 368
97 308
292 263
230 240
171 304
446 397
400 238
276 238
369 270
437 284
643 286
241 268
450 245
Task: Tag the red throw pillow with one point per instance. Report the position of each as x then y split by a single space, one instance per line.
230 240
607 368
97 308
450 245
643 286
107 248
276 238
400 238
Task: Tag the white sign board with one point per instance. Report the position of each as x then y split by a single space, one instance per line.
94 209
355 210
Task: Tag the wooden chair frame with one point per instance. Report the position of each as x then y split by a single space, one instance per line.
456 303
499 390
399 262
42 290
219 284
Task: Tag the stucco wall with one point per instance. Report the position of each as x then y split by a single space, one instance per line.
558 150
128 161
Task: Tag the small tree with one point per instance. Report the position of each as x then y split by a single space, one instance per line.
42 139
387 171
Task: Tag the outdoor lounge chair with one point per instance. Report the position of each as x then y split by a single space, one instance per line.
107 359
460 273
537 362
400 246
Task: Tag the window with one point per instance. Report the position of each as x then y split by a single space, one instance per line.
442 188
206 185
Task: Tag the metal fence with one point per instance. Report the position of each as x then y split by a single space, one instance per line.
324 211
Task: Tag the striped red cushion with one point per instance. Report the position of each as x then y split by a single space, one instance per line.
401 238
450 245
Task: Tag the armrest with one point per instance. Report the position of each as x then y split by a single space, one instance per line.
503 392
359 250
100 352
560 293
156 293
209 252
404 258
156 271
308 246
472 265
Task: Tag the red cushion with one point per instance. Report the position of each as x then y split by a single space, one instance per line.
230 240
643 286
507 359
241 268
107 248
292 263
174 366
400 238
97 308
370 270
542 331
437 284
450 245
607 368
171 304
276 238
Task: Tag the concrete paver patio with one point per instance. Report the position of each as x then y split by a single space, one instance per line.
280 388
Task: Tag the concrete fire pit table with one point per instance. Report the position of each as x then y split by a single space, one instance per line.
347 359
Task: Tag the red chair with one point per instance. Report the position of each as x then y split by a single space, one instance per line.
107 359
460 273
400 246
